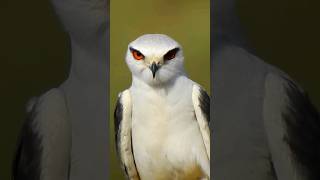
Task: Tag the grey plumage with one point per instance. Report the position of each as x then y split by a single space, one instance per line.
72 117
26 165
303 131
44 147
261 118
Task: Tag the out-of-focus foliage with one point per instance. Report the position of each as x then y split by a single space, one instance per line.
187 21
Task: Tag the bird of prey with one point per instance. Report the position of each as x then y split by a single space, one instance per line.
64 136
265 126
162 120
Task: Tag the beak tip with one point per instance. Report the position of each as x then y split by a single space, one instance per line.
154 68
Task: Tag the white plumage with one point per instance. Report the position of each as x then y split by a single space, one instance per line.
162 119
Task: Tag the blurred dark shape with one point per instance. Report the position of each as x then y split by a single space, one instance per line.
66 136
264 125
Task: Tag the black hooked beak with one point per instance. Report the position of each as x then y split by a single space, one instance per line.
154 68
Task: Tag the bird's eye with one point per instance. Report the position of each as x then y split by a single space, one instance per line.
136 54
170 54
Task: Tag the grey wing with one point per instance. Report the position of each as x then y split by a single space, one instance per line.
27 161
293 129
44 145
123 138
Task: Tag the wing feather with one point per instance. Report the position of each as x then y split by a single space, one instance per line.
201 103
46 128
293 129
27 161
122 122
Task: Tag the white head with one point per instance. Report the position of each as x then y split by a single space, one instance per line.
155 59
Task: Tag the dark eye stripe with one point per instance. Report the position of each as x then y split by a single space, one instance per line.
132 49
171 54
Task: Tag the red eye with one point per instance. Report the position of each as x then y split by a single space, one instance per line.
136 54
171 54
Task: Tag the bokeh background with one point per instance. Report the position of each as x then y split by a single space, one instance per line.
34 57
34 50
286 33
186 21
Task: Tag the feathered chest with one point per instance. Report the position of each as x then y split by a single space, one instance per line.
155 110
162 127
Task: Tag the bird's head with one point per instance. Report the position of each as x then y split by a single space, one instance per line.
84 20
155 58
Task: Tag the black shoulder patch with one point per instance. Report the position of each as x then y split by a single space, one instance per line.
117 120
272 171
204 100
303 131
118 115
27 161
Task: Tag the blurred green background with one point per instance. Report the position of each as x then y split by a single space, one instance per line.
186 21
34 50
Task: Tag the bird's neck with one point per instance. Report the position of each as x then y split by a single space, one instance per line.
226 27
137 82
88 67
161 88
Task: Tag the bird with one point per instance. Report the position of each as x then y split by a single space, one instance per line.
265 125
162 120
64 134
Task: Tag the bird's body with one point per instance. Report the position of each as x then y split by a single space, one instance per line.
168 141
64 137
165 130
262 118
